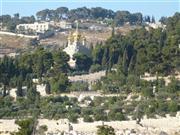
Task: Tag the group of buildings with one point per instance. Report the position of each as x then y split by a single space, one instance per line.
155 25
76 41
41 27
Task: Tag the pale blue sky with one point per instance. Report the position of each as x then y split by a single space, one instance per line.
156 8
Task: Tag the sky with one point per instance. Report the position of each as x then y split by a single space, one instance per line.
157 8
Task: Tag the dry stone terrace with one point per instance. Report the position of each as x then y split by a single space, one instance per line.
90 78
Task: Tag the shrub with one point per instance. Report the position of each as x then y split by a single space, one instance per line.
79 86
100 116
26 127
95 68
173 106
88 118
116 116
105 130
147 92
73 118
162 106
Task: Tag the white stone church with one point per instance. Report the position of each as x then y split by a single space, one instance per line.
76 44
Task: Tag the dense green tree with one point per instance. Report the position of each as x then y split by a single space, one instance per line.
97 54
59 83
27 19
5 18
121 17
95 68
60 62
43 15
42 62
97 13
83 62
32 94
62 12
7 71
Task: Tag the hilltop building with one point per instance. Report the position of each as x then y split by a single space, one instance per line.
65 25
76 44
155 25
61 24
36 27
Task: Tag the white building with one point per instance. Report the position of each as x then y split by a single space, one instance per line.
65 25
61 24
76 43
156 25
36 27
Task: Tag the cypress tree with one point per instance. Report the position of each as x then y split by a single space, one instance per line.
48 88
125 63
132 64
19 91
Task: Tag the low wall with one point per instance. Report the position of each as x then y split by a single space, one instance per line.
19 35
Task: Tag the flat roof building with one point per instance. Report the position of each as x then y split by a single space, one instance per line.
36 27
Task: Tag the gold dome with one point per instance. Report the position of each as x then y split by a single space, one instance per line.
76 36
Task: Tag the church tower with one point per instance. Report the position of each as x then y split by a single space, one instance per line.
76 44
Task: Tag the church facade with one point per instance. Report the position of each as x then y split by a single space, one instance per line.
76 44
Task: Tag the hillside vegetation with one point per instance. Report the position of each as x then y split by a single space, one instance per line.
124 58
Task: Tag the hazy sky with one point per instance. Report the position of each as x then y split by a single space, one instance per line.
156 8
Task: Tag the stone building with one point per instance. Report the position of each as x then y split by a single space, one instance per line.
61 24
65 25
36 27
